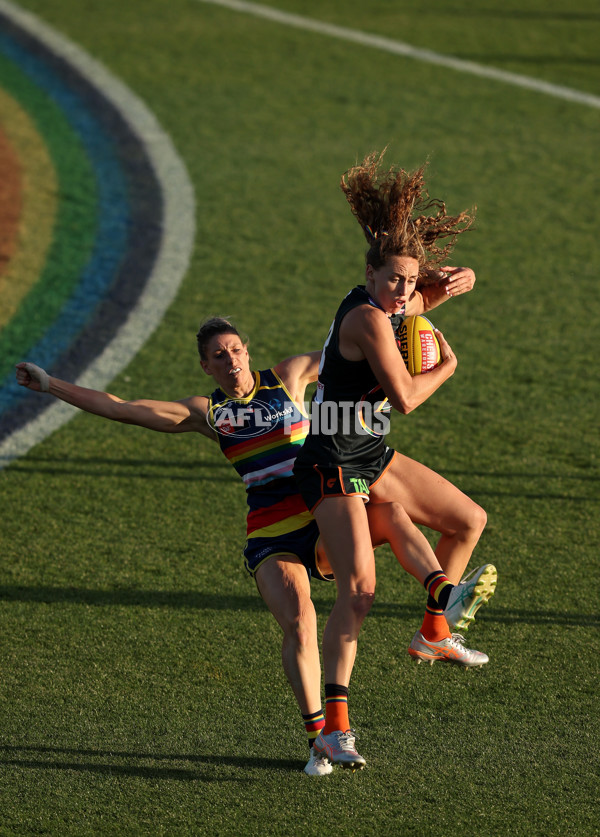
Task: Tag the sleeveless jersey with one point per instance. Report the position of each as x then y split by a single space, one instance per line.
350 412
260 435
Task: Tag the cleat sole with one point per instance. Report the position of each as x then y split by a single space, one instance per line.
482 593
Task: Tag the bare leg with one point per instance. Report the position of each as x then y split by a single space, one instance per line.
285 587
389 523
346 538
433 501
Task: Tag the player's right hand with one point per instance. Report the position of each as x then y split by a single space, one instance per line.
33 377
446 352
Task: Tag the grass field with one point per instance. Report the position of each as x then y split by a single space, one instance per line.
141 689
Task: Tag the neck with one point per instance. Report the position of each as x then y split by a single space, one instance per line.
370 290
242 389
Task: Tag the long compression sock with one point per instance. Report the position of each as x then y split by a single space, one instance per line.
313 723
438 587
434 625
336 708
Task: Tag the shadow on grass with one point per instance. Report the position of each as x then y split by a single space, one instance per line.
142 469
503 617
174 599
8 758
557 481
183 599
192 470
193 600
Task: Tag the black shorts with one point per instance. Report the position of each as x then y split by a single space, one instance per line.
302 543
316 482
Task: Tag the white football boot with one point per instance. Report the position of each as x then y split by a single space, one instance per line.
318 764
449 650
338 747
467 597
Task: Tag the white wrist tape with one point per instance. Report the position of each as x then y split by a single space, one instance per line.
39 375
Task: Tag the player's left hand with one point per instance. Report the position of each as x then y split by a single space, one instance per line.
458 280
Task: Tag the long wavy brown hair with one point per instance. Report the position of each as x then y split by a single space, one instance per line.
397 216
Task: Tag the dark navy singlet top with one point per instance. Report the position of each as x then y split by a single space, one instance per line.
260 435
349 410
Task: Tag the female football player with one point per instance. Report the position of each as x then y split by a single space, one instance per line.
259 421
339 472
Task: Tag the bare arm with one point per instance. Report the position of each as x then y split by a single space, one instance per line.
365 333
443 284
187 415
298 372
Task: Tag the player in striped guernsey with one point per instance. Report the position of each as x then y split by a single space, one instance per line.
258 419
260 434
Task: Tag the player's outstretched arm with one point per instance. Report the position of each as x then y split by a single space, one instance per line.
188 415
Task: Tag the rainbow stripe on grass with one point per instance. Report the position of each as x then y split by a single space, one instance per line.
90 253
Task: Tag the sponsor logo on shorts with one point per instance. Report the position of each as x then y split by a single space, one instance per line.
262 553
360 485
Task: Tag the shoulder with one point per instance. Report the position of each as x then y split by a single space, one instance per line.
198 404
357 296
298 371
198 407
366 315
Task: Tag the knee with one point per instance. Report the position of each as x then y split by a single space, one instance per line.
475 522
361 603
397 516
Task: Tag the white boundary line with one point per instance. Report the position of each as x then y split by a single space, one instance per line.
179 225
176 246
408 51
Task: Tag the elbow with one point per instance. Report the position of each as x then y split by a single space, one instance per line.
406 406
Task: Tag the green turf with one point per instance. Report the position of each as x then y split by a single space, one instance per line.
141 690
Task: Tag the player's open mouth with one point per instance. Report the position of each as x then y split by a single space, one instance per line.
235 371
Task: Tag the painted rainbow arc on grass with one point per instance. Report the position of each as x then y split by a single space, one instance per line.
96 222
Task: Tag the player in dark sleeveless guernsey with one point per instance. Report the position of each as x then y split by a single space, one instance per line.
345 462
258 418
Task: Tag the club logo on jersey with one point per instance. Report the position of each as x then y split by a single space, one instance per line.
249 419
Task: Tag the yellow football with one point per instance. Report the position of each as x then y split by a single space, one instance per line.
418 345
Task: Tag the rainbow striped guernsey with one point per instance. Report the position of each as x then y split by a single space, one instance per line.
261 436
